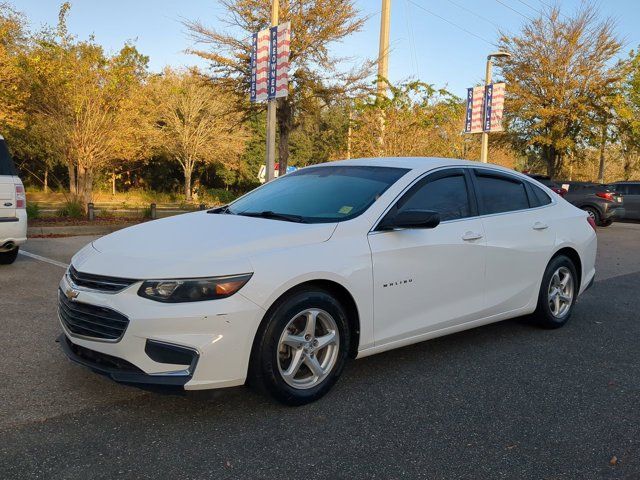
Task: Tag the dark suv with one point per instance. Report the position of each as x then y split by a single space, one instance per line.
631 193
601 202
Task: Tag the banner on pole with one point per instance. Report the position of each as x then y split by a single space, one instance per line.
270 63
495 106
259 66
282 60
485 106
473 119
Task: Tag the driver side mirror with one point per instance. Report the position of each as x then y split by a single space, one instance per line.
410 219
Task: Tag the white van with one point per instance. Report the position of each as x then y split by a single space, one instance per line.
13 208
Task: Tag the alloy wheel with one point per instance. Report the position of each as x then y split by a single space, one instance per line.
560 292
308 348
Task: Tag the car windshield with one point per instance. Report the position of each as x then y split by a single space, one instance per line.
6 164
318 194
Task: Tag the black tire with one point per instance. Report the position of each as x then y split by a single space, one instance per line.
544 314
7 258
606 223
595 214
264 370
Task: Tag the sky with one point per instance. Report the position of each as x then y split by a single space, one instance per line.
441 42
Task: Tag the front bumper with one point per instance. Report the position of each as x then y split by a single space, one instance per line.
220 334
119 369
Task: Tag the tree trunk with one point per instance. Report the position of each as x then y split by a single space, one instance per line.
113 183
187 184
73 186
603 143
88 186
46 180
79 182
284 116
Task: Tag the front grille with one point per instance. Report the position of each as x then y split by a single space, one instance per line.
90 320
99 282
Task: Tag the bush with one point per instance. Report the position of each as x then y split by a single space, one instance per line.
71 209
220 195
33 210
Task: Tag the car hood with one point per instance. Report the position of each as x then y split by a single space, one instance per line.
194 245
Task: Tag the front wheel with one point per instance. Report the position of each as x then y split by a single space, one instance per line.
7 258
302 347
558 293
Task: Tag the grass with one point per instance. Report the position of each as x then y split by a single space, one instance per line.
71 209
33 210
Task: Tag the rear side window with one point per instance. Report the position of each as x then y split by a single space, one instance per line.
446 195
6 164
498 194
540 198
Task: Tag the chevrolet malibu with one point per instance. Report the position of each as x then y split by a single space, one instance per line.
335 261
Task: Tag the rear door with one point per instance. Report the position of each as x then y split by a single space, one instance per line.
7 183
520 234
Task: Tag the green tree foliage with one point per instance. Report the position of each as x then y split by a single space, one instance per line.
560 76
196 122
316 78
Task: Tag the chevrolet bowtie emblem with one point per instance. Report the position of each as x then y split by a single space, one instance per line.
71 294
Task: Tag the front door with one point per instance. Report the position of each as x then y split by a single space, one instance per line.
428 279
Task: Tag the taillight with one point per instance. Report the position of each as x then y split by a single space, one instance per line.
21 198
592 222
560 191
605 195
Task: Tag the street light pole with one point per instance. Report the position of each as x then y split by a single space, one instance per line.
271 112
484 149
383 64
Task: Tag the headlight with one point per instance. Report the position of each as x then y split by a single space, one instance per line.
193 289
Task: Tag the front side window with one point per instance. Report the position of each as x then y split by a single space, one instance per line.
498 193
319 194
446 195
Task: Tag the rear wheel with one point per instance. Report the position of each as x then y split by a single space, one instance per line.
558 292
593 213
302 348
7 258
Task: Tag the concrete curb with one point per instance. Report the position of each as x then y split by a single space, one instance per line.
73 230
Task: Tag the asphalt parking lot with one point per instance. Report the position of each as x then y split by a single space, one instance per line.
507 400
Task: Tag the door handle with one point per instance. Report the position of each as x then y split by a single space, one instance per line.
540 226
467 237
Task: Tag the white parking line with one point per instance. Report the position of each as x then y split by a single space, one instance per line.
43 259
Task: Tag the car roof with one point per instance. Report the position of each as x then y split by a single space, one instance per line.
413 163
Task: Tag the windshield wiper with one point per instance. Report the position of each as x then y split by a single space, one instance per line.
221 210
275 216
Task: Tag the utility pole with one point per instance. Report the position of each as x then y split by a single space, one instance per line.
383 63
484 150
271 112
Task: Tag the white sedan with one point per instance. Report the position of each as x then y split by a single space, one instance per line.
345 259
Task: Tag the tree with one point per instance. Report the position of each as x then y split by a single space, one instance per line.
420 120
13 45
559 73
196 122
315 74
628 115
81 102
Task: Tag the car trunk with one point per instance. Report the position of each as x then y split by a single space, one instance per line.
7 183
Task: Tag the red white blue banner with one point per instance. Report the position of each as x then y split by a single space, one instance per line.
494 102
473 120
270 63
485 106
259 66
